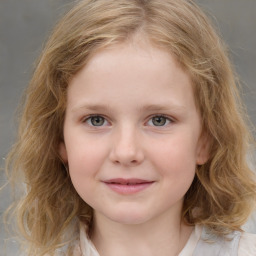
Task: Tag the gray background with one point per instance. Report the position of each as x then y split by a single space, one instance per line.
25 24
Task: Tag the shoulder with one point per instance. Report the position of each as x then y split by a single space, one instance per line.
247 245
84 246
236 244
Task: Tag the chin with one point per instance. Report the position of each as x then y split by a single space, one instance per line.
130 217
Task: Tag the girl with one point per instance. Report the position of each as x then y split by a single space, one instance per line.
132 139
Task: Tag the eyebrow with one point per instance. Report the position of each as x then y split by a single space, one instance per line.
162 107
92 107
150 107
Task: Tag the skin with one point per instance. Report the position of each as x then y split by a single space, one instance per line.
148 128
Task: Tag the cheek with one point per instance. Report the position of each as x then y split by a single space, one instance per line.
85 157
85 163
177 168
175 157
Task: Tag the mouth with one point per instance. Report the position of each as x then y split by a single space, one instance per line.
128 186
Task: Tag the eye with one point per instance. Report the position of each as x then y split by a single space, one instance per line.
159 121
96 121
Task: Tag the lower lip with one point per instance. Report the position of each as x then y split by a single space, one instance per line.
129 189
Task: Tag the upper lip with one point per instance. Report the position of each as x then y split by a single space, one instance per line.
127 181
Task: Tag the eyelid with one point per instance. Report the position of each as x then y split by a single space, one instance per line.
163 115
85 118
171 119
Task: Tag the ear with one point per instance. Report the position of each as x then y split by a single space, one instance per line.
63 152
203 149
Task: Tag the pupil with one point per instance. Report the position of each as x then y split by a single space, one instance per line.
97 121
159 121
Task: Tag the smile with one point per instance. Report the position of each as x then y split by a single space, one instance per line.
128 186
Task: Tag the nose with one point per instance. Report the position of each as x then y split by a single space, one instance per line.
126 148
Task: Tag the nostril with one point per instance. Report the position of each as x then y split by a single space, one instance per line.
126 162
125 154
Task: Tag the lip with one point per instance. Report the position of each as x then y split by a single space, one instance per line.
128 186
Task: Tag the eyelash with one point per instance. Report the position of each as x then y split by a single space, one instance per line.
168 119
88 118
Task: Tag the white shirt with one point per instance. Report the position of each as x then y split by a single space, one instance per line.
246 245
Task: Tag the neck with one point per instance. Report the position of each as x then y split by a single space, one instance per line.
160 236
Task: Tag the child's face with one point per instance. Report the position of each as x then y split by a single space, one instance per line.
132 134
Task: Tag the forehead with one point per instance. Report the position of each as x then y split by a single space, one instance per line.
139 72
139 52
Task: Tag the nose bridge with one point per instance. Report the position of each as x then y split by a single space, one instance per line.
126 148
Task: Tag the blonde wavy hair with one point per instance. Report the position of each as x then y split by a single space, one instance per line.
223 191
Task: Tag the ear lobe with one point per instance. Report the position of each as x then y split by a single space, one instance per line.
203 149
63 152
